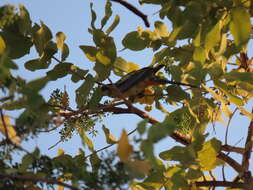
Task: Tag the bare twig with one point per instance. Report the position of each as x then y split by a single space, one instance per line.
234 164
108 146
134 10
229 121
36 179
248 147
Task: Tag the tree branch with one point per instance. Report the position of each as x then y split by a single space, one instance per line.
134 10
229 148
36 179
220 184
248 147
235 165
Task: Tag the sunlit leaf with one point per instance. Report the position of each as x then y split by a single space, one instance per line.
2 45
213 36
8 130
86 140
90 52
241 31
109 138
102 58
124 149
108 13
161 29
114 24
199 54
41 37
60 38
207 156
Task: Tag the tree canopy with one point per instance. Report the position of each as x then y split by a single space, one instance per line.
203 43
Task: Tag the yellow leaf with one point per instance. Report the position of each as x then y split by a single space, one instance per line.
124 149
225 109
2 45
5 126
60 152
141 166
109 138
245 112
59 186
132 67
102 58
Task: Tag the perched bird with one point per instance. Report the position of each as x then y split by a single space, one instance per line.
134 83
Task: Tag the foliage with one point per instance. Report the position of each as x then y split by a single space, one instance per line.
205 45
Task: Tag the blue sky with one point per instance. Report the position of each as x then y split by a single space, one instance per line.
73 18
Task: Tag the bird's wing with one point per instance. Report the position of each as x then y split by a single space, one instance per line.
132 78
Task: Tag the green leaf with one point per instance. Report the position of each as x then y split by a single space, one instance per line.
193 174
176 93
95 99
37 84
27 160
90 52
77 73
236 76
65 52
161 130
207 156
49 50
182 154
199 54
234 99
108 13
113 25
141 127
2 45
240 25
24 23
17 44
35 64
60 38
14 105
95 161
59 71
41 37
109 138
213 36
133 41
84 90
103 71
93 16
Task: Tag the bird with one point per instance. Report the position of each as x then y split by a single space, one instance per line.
133 84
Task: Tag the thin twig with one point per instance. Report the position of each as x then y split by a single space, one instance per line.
229 121
36 179
108 146
134 10
234 164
